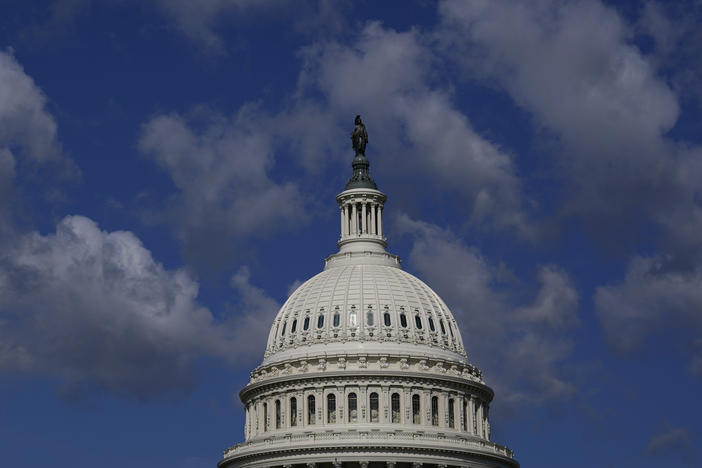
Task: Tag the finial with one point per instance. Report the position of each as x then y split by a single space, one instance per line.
359 137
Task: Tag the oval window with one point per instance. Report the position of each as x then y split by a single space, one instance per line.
293 327
450 329
441 324
320 321
431 325
386 319
369 318
418 322
285 324
403 320
306 323
336 320
353 318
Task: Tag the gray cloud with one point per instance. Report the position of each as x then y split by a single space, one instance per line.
656 297
96 311
521 342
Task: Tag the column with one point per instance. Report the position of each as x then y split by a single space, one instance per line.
380 221
471 415
487 422
480 420
427 407
343 223
373 229
354 220
364 223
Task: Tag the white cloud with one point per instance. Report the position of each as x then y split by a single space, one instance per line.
95 310
520 343
672 440
26 126
221 168
387 77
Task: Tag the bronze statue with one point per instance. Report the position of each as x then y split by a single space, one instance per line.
359 137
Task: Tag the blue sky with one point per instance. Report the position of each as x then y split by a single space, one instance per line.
168 172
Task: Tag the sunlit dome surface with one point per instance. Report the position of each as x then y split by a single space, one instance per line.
364 307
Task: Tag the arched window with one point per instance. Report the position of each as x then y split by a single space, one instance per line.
465 415
293 412
277 414
336 319
282 333
403 320
320 321
451 415
475 417
416 415
369 318
418 322
311 412
265 416
450 329
386 319
441 324
353 317
293 327
374 413
353 407
431 324
434 411
395 407
331 408
306 323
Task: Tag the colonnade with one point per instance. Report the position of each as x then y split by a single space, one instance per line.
361 217
373 404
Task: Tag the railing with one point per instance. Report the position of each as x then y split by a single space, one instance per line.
367 438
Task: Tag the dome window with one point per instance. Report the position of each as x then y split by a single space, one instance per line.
386 319
450 329
434 411
306 323
353 317
374 407
320 321
293 327
311 412
336 319
451 416
416 415
403 320
369 318
282 333
418 322
331 408
441 324
293 412
395 407
353 408
431 324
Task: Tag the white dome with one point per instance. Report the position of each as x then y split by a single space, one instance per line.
365 308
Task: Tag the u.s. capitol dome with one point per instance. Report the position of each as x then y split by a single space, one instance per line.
365 365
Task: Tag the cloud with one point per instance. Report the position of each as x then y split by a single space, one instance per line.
596 93
221 169
674 440
94 310
388 77
26 127
658 296
520 342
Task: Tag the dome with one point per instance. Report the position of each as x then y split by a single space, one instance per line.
365 365
366 308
